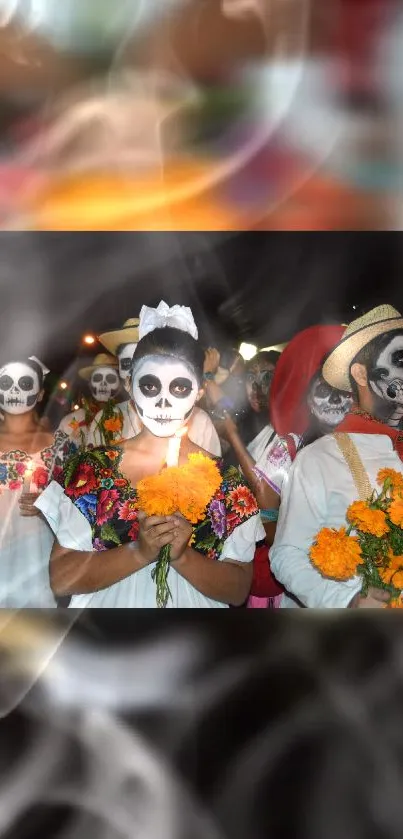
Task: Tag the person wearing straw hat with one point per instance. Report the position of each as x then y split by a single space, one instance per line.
122 344
325 478
103 382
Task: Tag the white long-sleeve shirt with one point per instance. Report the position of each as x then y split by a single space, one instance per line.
315 494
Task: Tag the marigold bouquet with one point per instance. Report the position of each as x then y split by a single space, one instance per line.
186 489
375 551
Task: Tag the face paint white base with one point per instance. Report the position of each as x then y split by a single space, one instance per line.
104 383
327 405
164 391
19 388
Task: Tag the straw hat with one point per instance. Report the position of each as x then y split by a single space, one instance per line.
299 362
101 360
358 334
127 334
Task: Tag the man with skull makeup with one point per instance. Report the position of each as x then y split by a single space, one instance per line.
103 382
323 481
122 343
29 457
93 507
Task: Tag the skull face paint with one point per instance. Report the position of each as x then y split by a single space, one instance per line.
125 358
164 391
386 379
104 383
19 388
328 405
258 382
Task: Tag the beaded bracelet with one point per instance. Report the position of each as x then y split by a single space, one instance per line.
269 515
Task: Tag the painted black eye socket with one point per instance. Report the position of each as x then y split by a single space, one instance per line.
181 388
26 383
150 385
126 363
397 358
5 382
322 391
111 379
97 377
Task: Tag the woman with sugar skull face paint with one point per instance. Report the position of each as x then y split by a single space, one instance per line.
94 508
103 383
122 343
29 457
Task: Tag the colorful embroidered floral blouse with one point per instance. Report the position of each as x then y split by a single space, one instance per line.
93 507
26 542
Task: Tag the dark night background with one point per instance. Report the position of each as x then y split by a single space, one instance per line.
260 288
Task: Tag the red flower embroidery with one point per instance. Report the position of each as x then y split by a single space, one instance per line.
20 469
128 510
134 531
57 472
83 481
40 477
15 485
243 501
106 473
120 482
211 553
106 506
232 522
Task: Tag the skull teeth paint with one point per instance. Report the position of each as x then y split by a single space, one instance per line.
104 383
164 391
125 359
19 388
327 404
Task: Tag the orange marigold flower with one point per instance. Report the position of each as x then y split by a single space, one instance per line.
395 479
393 574
363 518
396 511
112 454
113 424
335 554
187 489
395 603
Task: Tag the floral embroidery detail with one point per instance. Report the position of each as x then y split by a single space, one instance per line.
40 477
107 483
107 502
84 481
13 464
128 510
98 545
243 501
87 504
113 512
217 517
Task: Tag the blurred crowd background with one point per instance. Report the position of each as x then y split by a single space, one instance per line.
220 114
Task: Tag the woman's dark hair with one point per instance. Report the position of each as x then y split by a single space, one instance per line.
269 356
369 354
173 343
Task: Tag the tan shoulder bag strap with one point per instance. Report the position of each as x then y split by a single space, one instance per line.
355 464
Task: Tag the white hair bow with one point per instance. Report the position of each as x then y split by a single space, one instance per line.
44 369
177 317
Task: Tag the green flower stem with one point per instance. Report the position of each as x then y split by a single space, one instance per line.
160 575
